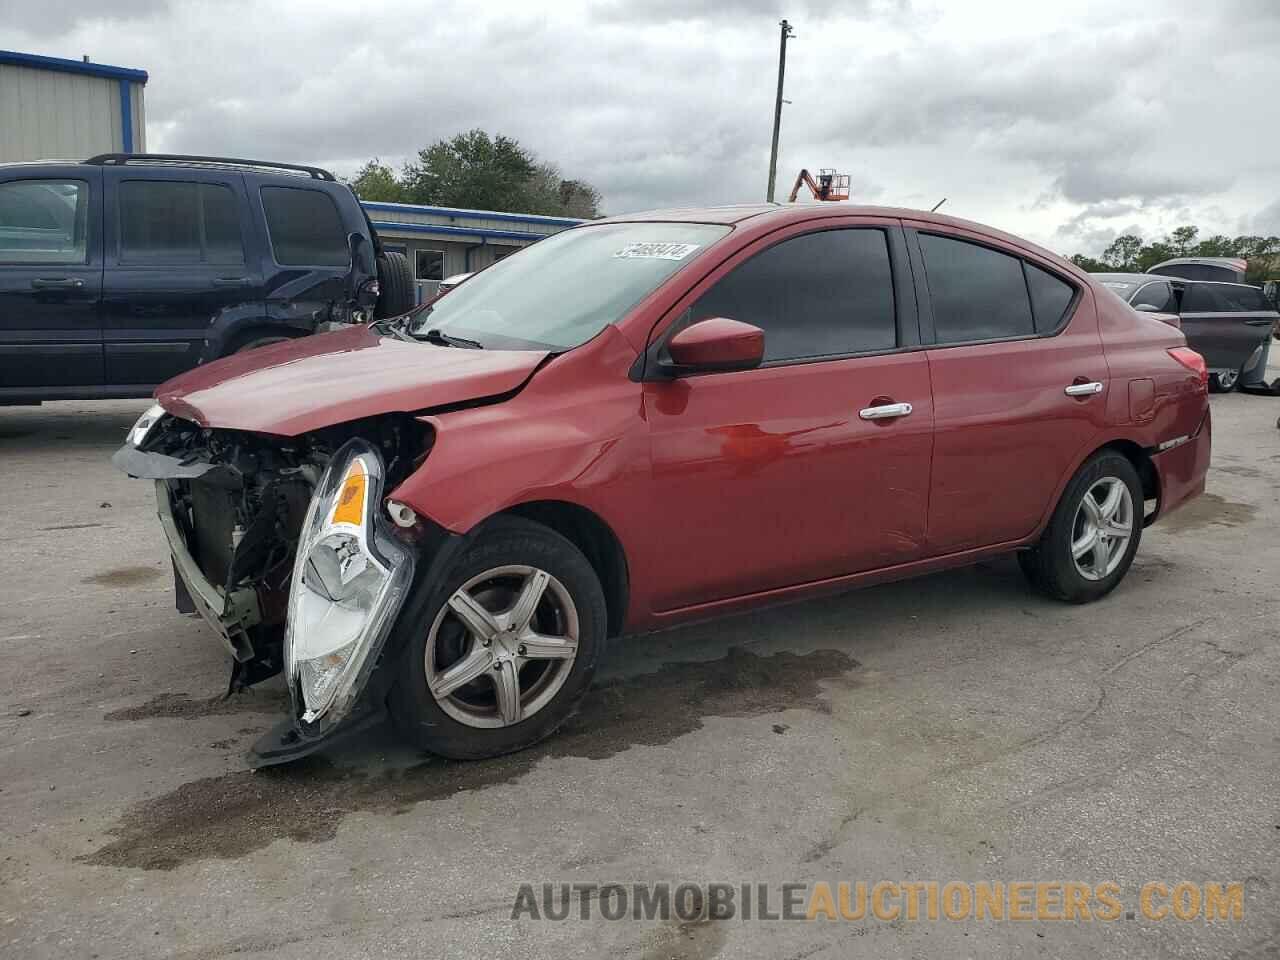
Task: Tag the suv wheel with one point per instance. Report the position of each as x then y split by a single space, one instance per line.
505 647
253 343
1093 535
395 280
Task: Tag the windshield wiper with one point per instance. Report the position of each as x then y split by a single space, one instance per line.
437 336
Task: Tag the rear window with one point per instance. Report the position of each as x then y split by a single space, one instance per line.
305 228
977 293
165 221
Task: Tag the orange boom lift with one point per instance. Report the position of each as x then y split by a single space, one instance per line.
829 185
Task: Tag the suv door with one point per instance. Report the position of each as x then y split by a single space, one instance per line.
176 257
785 474
1019 385
50 279
1225 322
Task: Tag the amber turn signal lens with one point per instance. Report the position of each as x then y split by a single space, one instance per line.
351 496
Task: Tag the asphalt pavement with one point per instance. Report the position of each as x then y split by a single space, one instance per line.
955 729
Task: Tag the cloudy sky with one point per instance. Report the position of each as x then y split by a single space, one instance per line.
1067 123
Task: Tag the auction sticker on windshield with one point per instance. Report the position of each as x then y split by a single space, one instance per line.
654 250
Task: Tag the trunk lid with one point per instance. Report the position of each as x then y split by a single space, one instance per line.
303 385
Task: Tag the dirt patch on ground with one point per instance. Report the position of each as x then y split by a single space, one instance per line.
1207 510
123 577
180 706
234 814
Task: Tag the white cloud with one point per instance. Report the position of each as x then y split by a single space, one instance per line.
1063 123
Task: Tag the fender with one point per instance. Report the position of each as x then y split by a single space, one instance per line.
587 445
297 316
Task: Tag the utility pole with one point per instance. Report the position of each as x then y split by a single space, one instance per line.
777 107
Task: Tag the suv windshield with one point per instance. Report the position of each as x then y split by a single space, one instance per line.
563 290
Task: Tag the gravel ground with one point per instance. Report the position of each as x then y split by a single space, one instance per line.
954 728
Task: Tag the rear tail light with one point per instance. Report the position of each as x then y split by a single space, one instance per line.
1193 362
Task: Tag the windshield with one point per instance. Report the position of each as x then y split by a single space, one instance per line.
563 290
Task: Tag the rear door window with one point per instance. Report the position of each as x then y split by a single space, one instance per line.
818 295
1204 298
1244 299
1159 295
305 227
43 221
977 293
167 221
1050 298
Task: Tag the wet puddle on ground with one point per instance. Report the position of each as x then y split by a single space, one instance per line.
180 706
123 577
234 814
1208 509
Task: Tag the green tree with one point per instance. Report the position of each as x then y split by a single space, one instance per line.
1122 253
1182 239
471 170
1089 264
377 181
476 171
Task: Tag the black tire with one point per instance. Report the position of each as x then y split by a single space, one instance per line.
396 282
1049 565
254 342
1216 384
505 541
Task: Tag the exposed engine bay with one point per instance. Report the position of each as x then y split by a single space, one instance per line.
237 501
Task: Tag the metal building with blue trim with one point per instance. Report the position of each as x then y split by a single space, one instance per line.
443 241
52 108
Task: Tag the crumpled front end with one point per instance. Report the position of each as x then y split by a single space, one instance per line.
282 545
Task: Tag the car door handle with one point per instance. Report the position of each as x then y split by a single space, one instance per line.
1259 323
885 411
1083 389
231 281
57 283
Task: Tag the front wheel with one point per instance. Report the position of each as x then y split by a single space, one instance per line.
1093 535
506 648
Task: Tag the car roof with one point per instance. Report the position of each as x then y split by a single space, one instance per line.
765 215
1131 277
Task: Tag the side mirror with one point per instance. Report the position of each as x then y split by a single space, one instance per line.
717 343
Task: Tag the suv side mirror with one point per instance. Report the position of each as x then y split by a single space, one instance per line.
717 343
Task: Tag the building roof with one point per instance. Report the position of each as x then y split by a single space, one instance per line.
37 62
461 214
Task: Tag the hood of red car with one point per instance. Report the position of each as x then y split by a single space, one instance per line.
302 385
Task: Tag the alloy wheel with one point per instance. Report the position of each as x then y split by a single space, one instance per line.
1102 528
502 646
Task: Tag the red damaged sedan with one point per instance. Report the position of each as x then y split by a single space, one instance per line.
647 420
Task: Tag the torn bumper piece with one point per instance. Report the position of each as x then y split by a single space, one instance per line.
327 621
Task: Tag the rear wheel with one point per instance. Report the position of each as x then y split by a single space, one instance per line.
1093 535
506 648
395 281
256 342
1224 381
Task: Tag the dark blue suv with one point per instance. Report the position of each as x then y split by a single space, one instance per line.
118 272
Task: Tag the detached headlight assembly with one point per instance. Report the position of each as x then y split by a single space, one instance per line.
138 432
350 577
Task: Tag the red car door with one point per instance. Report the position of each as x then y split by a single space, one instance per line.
1019 384
815 464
